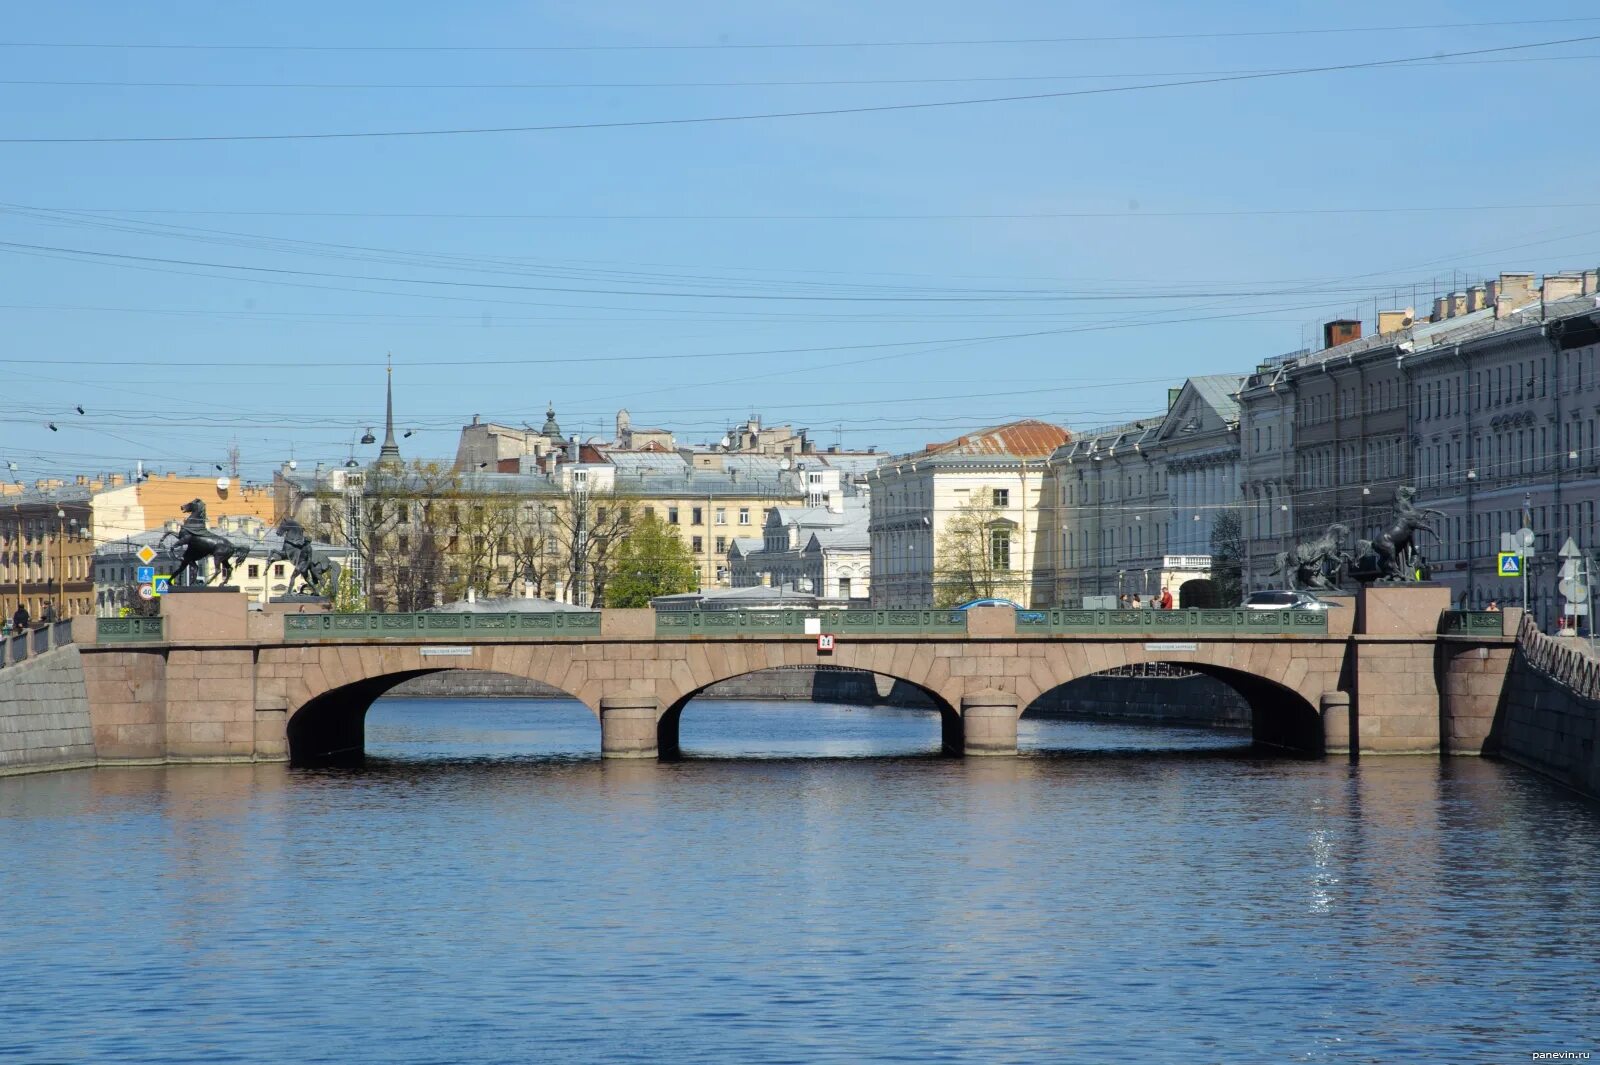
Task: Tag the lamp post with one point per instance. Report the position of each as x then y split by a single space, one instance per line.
61 555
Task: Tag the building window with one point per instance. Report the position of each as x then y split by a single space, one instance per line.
844 587
1002 497
722 515
744 515
277 570
1000 549
253 571
697 516
699 544
722 545
672 515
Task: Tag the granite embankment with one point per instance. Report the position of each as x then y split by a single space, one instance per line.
1172 700
44 714
1548 711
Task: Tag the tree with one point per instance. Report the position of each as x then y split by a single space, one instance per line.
1227 558
343 592
651 561
585 532
973 558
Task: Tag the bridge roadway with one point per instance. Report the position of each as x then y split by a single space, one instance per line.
1392 672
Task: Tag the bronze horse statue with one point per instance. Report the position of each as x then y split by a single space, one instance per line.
1395 549
1315 565
309 571
197 543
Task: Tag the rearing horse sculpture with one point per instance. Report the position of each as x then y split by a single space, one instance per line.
197 542
1395 549
309 571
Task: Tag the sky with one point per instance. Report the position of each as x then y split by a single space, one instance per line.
641 217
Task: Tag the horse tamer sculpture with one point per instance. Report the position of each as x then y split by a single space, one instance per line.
196 542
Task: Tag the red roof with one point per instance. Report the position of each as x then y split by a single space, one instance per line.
1025 439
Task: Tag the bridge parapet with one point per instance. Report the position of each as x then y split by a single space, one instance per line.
366 626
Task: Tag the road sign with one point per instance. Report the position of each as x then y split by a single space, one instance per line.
1509 564
163 583
146 574
145 555
1570 549
825 643
1508 542
1526 537
1569 569
1574 589
146 592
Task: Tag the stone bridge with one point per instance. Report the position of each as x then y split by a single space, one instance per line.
1392 671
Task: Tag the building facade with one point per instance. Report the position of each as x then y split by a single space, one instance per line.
1134 506
962 516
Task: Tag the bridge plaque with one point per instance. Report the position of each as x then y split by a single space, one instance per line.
445 652
1172 646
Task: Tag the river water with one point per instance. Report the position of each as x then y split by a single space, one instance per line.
486 890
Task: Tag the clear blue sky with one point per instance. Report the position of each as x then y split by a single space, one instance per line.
1124 247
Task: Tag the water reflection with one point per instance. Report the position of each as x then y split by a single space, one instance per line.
489 890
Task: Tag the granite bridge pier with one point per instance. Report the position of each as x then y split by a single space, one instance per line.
1391 671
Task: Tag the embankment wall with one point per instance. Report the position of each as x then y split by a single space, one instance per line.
44 714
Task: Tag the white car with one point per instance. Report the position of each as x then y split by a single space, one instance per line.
1285 601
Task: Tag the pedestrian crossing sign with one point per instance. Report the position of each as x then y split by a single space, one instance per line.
1510 564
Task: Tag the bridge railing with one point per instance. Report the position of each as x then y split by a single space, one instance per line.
547 625
793 622
1174 623
1471 623
19 647
130 630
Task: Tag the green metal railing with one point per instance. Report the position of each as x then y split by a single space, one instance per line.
129 630
1193 622
793 622
1471 623
549 625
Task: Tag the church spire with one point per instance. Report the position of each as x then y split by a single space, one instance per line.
389 453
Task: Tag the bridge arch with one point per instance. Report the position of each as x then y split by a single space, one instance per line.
668 724
330 728
1279 716
1281 682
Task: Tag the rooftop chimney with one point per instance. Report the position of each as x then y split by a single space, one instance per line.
1393 321
1513 291
1458 304
1339 331
1441 309
1562 286
1591 282
1477 298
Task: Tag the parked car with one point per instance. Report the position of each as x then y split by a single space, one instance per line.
1022 614
1285 601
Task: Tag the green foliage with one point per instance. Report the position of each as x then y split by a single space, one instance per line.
1227 558
651 561
343 592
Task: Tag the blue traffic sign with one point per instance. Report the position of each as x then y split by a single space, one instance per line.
163 584
146 574
1510 564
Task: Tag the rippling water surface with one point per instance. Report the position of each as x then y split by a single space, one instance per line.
487 891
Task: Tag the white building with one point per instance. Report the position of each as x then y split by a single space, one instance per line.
999 471
824 550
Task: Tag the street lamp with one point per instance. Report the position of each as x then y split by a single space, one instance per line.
61 555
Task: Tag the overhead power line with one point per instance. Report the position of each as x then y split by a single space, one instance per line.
788 83
772 115
725 46
1019 216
